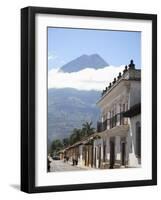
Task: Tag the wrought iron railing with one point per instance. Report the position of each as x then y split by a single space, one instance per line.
101 126
116 120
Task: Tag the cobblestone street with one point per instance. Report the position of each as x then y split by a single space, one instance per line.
60 165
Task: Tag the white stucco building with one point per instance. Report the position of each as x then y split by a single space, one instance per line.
119 131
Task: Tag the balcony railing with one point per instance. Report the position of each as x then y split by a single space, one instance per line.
101 126
116 120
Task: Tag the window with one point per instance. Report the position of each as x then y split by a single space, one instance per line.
123 108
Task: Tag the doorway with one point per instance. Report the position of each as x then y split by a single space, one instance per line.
112 154
99 163
138 142
95 157
123 148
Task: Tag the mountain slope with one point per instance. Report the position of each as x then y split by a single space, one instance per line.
68 108
92 61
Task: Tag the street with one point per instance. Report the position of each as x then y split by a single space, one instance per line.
60 166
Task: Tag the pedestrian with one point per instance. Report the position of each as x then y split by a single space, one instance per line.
48 163
65 158
73 161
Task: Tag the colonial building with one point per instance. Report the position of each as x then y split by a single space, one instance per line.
117 141
119 128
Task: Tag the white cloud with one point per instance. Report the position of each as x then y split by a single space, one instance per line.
86 79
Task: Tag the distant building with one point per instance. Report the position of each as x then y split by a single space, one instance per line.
80 153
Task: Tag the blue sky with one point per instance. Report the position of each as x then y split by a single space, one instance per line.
115 47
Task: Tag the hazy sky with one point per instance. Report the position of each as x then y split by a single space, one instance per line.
115 47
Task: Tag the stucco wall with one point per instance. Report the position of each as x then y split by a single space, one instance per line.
133 160
135 93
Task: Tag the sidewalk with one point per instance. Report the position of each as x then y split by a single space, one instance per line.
60 166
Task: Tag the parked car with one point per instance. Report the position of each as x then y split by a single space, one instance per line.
56 158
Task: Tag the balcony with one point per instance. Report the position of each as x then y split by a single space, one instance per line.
116 120
101 126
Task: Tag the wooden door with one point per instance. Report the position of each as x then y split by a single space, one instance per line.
123 153
112 154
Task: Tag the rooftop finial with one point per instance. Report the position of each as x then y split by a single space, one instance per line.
119 76
125 70
131 65
109 85
114 81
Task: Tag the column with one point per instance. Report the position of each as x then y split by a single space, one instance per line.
117 148
80 155
107 149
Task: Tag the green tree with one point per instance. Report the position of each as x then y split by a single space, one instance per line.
87 129
56 146
65 142
75 136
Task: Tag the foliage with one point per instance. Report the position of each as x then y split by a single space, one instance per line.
65 142
56 146
77 135
87 129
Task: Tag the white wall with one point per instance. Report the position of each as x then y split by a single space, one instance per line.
133 161
135 93
10 98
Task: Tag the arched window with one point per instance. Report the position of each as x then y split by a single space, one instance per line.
138 140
